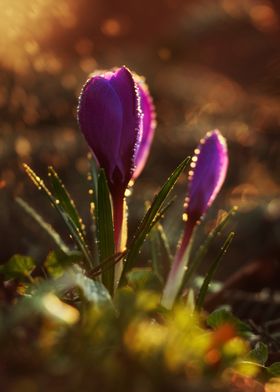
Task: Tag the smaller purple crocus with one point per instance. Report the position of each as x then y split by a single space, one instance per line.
208 171
116 116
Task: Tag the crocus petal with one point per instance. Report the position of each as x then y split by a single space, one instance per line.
100 118
149 124
209 167
125 86
110 118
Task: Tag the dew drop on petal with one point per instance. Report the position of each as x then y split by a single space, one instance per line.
127 192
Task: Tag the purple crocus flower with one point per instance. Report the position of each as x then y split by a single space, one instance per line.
208 171
115 114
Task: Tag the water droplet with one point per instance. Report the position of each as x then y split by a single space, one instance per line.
127 192
91 207
90 191
131 183
57 201
185 217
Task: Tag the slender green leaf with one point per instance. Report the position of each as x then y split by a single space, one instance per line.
156 252
160 252
148 220
45 225
162 211
165 243
106 264
93 192
193 266
76 234
66 202
74 230
105 229
93 177
212 270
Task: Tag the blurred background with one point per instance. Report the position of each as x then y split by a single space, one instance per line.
209 64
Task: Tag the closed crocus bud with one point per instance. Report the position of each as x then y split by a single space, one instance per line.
111 120
116 116
208 170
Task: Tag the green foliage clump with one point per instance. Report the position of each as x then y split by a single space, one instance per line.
67 333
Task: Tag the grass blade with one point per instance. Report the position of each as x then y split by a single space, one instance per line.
93 192
160 252
148 220
156 253
93 177
205 246
66 202
165 243
161 212
105 229
211 272
74 230
107 263
45 225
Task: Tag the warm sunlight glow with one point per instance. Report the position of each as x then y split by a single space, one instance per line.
23 25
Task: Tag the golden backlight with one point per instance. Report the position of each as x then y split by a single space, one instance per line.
25 24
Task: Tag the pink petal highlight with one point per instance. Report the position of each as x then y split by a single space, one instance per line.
149 124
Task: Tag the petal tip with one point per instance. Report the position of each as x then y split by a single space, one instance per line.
208 171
